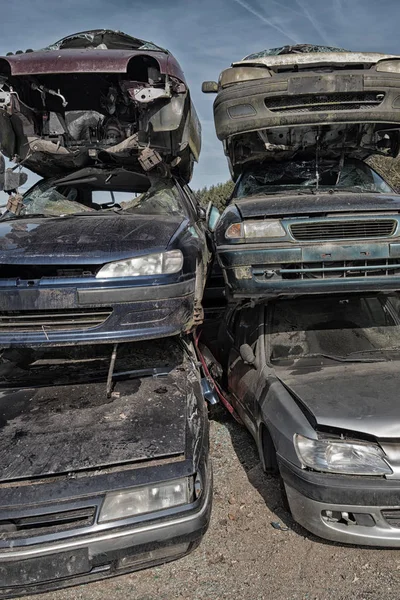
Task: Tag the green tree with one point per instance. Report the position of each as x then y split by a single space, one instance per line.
218 194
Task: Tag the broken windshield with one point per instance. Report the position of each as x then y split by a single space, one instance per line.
103 39
271 178
337 326
51 200
295 49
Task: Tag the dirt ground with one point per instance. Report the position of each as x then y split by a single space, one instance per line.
243 557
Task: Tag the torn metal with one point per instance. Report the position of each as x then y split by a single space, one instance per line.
97 98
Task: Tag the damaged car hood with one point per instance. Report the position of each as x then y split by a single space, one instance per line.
357 397
316 204
96 98
90 237
314 58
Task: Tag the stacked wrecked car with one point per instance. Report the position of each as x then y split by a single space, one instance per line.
309 249
107 443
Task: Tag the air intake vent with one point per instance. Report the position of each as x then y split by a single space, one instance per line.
392 517
27 527
324 102
52 320
343 230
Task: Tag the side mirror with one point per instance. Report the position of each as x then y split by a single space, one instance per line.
13 180
209 87
212 216
247 355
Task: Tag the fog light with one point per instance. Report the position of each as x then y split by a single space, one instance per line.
158 554
348 518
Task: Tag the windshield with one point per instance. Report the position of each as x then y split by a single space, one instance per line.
296 49
272 178
343 326
51 200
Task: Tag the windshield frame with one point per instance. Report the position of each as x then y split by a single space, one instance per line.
171 203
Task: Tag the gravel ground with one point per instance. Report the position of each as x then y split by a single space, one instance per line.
243 557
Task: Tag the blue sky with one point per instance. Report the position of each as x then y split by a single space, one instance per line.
206 36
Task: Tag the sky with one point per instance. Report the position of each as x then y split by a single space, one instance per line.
206 36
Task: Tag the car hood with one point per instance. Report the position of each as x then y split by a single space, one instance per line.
64 429
308 204
358 397
87 239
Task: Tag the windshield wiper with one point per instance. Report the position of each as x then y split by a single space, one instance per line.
12 217
341 358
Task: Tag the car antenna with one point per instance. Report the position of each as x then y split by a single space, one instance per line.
341 161
317 163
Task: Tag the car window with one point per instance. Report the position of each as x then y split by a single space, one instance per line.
163 197
339 326
103 197
287 176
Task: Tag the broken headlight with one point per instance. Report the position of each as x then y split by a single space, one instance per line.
145 499
388 66
255 229
242 73
161 263
337 456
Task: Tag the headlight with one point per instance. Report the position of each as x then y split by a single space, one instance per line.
146 499
255 229
388 66
335 456
162 263
239 74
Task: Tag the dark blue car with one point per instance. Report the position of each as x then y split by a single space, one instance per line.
101 255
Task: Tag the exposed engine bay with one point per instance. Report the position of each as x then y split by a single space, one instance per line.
285 143
63 110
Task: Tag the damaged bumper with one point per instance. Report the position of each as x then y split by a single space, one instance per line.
107 552
345 509
253 271
50 315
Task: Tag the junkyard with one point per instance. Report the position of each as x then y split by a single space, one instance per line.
199 399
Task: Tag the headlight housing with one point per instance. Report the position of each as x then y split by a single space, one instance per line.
242 73
268 228
388 66
337 456
161 263
145 499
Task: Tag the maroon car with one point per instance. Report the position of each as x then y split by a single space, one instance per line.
97 98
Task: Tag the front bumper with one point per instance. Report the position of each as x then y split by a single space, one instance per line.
345 509
261 271
307 99
30 316
46 567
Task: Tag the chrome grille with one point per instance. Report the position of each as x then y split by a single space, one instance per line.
52 320
343 230
32 526
324 102
342 269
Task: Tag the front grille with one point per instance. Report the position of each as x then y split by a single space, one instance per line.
32 272
28 527
343 269
343 230
325 102
392 517
52 320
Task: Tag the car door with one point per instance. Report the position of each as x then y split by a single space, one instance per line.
243 377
